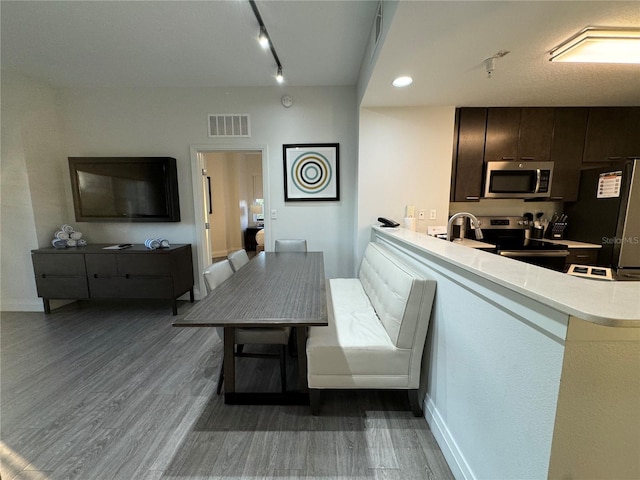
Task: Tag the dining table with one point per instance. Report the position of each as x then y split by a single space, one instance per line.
274 289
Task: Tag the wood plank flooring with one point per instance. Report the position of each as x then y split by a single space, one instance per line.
111 391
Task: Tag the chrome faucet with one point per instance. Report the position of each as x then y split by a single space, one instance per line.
474 222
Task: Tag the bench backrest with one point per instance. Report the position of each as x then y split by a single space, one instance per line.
401 296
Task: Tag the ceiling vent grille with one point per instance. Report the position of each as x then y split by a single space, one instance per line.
376 31
230 125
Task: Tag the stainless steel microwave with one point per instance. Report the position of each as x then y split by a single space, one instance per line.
526 179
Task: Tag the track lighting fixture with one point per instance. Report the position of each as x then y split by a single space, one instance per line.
265 40
490 63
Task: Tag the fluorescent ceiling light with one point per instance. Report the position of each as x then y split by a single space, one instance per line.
600 45
402 82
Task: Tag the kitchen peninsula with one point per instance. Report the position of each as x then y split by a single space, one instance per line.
528 372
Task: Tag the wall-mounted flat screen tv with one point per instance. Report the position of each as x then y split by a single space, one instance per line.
125 189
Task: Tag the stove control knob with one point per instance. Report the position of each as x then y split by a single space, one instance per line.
520 222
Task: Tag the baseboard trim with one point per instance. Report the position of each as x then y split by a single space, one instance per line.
18 305
446 442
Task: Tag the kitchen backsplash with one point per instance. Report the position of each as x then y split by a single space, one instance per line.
499 207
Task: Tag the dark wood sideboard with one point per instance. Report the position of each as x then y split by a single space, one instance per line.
91 272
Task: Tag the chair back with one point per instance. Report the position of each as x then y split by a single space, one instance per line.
238 259
291 245
216 273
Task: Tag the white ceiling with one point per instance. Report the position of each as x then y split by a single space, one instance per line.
213 43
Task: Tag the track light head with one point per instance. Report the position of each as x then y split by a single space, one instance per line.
263 38
279 76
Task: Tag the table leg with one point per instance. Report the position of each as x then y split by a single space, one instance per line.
301 345
229 360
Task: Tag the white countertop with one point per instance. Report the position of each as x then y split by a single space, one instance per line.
614 304
573 244
468 242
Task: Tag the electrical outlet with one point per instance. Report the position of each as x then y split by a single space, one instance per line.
432 214
420 214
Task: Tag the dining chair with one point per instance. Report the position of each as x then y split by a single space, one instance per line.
214 275
291 245
238 259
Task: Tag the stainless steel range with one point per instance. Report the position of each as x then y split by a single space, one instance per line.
510 236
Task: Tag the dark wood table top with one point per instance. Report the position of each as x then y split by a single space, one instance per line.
273 289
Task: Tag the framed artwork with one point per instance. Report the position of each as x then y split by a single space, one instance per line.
311 172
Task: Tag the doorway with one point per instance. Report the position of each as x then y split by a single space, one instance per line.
228 187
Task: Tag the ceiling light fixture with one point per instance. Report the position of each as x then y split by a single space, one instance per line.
600 45
265 40
402 82
490 63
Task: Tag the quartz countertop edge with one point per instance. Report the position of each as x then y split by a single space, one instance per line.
613 304
573 243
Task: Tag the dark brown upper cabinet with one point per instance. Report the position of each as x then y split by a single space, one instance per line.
612 133
567 147
571 137
468 154
515 133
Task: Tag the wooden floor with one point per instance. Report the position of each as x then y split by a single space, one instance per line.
113 391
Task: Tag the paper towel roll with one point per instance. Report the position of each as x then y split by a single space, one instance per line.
410 223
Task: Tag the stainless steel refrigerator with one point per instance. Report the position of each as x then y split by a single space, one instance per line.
607 213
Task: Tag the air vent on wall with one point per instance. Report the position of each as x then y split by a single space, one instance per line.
229 125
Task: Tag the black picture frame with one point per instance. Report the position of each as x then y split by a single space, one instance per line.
311 172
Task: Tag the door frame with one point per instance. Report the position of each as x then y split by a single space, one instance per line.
197 165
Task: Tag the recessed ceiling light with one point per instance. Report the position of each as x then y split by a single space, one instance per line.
600 45
402 82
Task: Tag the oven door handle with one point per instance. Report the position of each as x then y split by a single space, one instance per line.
538 180
533 253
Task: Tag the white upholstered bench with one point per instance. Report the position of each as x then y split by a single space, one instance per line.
377 329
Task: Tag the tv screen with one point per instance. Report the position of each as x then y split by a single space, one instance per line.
125 189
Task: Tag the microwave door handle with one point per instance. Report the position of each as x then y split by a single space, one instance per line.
538 179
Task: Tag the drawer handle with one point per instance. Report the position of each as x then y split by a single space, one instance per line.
583 256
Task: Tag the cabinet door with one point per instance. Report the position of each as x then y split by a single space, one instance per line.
567 148
145 275
103 276
503 128
582 256
60 275
468 154
612 133
536 132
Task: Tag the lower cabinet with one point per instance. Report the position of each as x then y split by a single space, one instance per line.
582 256
93 272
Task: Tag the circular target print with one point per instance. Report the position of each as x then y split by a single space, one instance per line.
311 172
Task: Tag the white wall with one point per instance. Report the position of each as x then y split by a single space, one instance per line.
597 431
491 371
404 159
32 202
166 122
